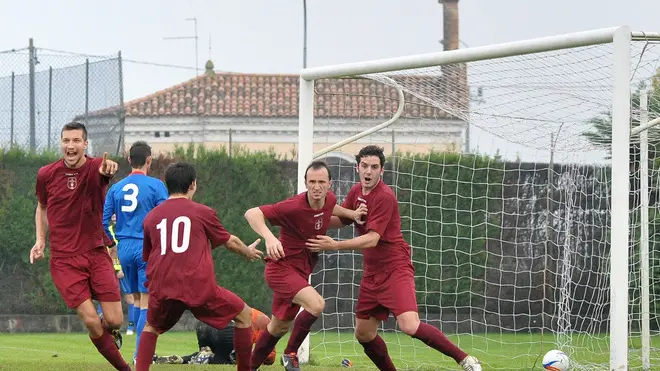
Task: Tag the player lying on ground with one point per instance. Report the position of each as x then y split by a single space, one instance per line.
289 263
388 282
216 345
70 194
129 200
180 271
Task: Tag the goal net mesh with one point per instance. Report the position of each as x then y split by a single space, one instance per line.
502 172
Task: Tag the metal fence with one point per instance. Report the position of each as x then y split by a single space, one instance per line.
42 89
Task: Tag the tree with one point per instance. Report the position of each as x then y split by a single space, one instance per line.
601 126
601 135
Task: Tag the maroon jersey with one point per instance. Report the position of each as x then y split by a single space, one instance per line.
298 221
74 206
176 248
392 251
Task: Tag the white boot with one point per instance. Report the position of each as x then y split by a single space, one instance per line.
470 363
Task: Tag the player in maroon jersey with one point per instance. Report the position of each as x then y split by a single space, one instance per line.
180 272
289 263
388 282
70 194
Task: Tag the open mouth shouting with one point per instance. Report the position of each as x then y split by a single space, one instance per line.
71 156
71 153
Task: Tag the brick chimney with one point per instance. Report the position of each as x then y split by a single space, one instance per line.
454 75
450 24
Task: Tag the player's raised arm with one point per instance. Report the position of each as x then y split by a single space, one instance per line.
381 213
218 236
326 243
250 252
257 221
108 211
354 215
108 168
338 221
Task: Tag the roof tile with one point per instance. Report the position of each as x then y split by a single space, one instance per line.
236 94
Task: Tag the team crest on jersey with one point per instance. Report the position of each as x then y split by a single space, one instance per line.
71 183
318 224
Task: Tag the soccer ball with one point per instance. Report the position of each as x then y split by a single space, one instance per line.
555 360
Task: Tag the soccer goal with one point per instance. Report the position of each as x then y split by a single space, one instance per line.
533 223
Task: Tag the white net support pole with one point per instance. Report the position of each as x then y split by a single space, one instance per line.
305 156
305 130
644 229
620 204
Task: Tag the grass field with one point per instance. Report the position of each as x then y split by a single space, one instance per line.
74 352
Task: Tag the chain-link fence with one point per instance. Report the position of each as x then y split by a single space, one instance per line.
42 89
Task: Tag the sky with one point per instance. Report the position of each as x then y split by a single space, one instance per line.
265 36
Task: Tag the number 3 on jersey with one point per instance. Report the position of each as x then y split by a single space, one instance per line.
182 221
130 195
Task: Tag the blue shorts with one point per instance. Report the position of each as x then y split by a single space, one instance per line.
129 251
123 284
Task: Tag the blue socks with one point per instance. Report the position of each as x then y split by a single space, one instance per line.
131 317
142 320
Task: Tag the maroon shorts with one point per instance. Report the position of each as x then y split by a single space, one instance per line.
89 275
286 277
218 311
386 292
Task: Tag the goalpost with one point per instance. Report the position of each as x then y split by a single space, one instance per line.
515 198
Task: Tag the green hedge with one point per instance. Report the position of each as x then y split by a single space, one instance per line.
446 202
230 185
654 266
446 206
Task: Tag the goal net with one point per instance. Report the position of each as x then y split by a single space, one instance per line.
502 167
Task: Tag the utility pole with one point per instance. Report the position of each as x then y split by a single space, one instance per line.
304 33
32 62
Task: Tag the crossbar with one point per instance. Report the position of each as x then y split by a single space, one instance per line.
502 50
649 36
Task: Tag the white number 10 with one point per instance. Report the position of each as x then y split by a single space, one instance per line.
185 239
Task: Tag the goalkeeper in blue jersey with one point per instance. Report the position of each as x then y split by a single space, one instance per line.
130 200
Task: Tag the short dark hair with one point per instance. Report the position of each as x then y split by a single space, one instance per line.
138 153
371 150
75 125
179 176
316 165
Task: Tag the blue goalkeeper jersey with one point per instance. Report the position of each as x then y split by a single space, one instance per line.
130 200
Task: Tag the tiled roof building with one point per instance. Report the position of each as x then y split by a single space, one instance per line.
261 111
239 94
